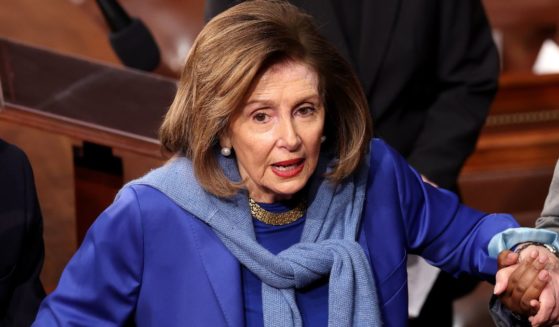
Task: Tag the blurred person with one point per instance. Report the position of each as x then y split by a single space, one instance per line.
21 239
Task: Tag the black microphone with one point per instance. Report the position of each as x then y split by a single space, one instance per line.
129 37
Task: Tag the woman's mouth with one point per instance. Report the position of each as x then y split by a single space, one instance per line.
288 168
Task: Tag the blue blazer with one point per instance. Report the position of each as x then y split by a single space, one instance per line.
147 261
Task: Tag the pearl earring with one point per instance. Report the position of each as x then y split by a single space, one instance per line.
322 139
225 151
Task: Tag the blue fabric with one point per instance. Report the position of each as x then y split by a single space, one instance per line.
328 244
508 239
148 260
312 301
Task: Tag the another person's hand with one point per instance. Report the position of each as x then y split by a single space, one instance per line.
522 281
519 284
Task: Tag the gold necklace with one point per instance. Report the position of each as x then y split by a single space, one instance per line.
277 218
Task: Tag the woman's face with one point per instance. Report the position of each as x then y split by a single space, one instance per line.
276 135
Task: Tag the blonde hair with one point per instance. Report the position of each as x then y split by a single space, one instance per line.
224 62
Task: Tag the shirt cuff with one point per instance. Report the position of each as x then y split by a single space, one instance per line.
507 239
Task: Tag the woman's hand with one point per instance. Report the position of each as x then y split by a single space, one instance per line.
548 313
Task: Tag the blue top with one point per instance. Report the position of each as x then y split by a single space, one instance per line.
312 301
147 260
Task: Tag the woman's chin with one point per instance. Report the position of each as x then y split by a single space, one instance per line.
287 192
277 194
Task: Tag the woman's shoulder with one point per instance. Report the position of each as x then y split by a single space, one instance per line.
136 213
140 193
382 155
146 198
379 148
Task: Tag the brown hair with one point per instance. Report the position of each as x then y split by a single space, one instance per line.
226 58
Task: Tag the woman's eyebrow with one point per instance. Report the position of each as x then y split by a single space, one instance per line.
314 96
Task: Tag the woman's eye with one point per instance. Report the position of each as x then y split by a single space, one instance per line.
305 111
260 117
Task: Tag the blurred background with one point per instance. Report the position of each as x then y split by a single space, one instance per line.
88 122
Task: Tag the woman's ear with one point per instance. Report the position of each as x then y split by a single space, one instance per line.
225 140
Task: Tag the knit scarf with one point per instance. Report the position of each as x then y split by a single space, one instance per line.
328 243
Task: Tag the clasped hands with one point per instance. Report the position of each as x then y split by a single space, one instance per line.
528 284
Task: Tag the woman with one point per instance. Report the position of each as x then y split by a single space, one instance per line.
277 209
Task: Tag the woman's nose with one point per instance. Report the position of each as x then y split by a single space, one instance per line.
288 136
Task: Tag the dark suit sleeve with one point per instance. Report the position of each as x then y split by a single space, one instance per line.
503 317
468 77
21 230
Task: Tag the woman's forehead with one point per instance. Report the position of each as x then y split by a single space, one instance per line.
286 74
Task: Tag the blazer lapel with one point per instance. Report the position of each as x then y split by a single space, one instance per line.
377 24
224 273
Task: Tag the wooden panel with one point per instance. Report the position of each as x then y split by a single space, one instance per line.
85 100
57 24
95 191
136 165
77 27
524 26
522 13
526 92
512 166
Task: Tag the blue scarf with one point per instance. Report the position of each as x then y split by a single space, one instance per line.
328 244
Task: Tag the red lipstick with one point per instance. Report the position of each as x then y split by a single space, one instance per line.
288 168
